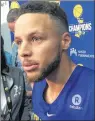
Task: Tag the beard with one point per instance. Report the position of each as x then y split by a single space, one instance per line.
46 71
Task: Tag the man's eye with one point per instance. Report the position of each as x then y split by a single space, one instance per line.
36 38
19 42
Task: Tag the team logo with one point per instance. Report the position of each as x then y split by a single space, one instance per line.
14 4
80 53
73 51
76 99
81 27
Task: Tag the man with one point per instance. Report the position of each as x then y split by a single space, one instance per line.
64 90
11 19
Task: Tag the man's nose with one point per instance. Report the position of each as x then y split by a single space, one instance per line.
25 49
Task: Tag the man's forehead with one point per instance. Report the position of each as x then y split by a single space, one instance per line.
34 17
31 21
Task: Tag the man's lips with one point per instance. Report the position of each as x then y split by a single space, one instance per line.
30 67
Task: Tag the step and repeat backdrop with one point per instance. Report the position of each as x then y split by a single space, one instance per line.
81 27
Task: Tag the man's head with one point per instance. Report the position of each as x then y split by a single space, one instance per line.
11 18
41 32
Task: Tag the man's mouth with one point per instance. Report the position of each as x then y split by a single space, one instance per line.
30 67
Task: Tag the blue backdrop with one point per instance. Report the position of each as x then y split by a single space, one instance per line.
81 27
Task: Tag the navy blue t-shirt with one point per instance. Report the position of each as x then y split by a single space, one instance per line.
75 102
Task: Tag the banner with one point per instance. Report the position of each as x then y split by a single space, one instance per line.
81 27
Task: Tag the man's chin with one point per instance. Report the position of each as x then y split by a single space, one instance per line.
33 77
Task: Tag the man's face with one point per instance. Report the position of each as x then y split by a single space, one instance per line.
11 26
39 45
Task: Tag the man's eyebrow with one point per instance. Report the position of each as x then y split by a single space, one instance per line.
34 32
30 33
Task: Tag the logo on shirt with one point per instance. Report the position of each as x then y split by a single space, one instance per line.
17 90
76 101
49 115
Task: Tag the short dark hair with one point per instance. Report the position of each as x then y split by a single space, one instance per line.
12 15
51 8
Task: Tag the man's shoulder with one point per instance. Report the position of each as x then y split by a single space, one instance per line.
86 78
87 72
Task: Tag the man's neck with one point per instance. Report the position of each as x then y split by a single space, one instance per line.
58 78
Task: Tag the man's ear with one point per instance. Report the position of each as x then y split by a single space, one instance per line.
66 41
